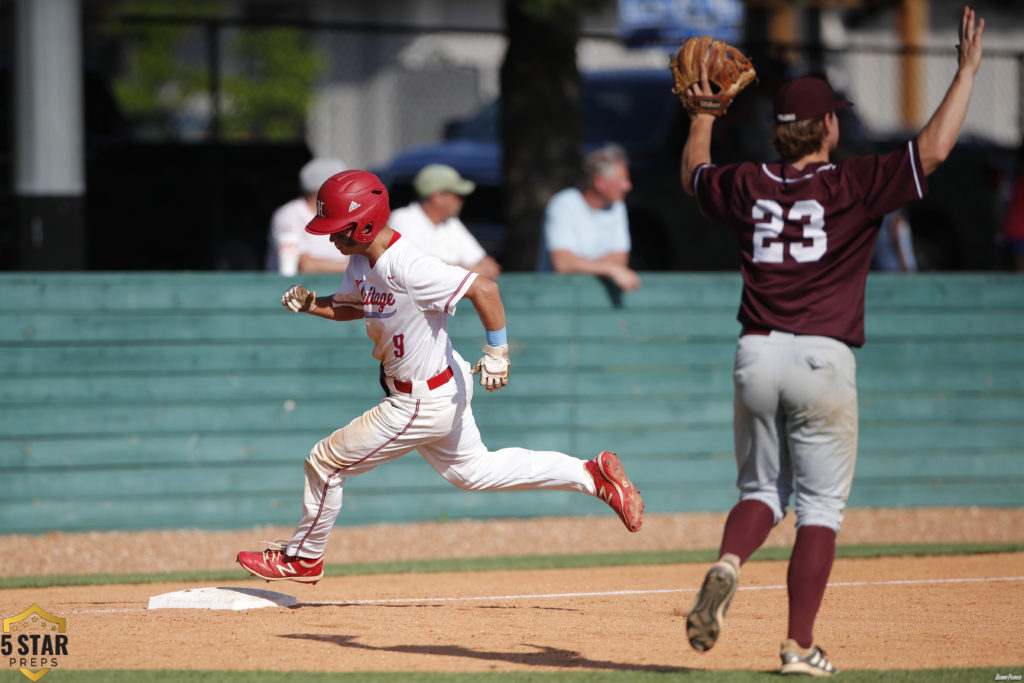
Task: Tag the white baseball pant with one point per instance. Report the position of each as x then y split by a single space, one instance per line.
795 424
439 424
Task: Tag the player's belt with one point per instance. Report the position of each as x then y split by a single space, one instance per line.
754 330
434 382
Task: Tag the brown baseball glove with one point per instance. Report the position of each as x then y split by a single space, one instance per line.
729 72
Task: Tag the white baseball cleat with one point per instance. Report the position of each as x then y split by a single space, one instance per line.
814 663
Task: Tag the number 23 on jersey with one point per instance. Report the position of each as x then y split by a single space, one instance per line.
770 245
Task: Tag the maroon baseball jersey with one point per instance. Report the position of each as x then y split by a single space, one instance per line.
806 236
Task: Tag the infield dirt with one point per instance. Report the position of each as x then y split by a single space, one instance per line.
890 613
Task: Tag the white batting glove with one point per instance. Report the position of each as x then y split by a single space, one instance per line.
298 299
493 367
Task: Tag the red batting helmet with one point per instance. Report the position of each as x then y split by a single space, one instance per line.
351 198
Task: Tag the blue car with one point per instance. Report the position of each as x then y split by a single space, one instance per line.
635 108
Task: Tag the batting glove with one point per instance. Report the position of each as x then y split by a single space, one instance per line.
298 299
493 367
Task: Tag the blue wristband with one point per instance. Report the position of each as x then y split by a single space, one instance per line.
497 337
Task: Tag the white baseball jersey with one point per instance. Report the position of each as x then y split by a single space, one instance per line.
406 299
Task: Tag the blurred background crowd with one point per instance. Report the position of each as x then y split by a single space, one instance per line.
190 121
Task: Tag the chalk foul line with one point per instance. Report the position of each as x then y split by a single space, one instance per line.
589 594
596 594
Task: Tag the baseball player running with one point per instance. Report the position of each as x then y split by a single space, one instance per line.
805 228
405 297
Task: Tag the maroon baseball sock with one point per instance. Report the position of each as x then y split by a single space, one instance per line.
809 568
746 528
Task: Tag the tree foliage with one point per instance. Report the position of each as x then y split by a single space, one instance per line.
270 99
265 76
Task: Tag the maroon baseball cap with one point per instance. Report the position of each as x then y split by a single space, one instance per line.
804 98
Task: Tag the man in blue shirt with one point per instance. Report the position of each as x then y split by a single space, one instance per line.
586 230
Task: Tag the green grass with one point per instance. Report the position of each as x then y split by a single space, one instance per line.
512 563
625 676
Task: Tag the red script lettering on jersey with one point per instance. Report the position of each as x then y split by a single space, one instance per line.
379 299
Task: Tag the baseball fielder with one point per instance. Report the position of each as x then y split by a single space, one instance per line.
805 228
405 297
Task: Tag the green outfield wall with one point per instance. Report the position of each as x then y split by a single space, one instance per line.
168 400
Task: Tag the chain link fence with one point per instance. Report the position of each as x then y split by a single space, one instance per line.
229 109
362 92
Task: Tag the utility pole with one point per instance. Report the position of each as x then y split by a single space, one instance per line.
49 158
913 25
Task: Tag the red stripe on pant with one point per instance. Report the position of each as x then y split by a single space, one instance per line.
340 471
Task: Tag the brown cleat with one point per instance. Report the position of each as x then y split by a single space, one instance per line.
706 617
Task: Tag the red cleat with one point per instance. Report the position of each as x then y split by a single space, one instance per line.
614 488
273 564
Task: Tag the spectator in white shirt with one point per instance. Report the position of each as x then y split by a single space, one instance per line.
290 249
432 222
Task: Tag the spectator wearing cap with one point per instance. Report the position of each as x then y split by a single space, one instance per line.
290 249
432 221
586 229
